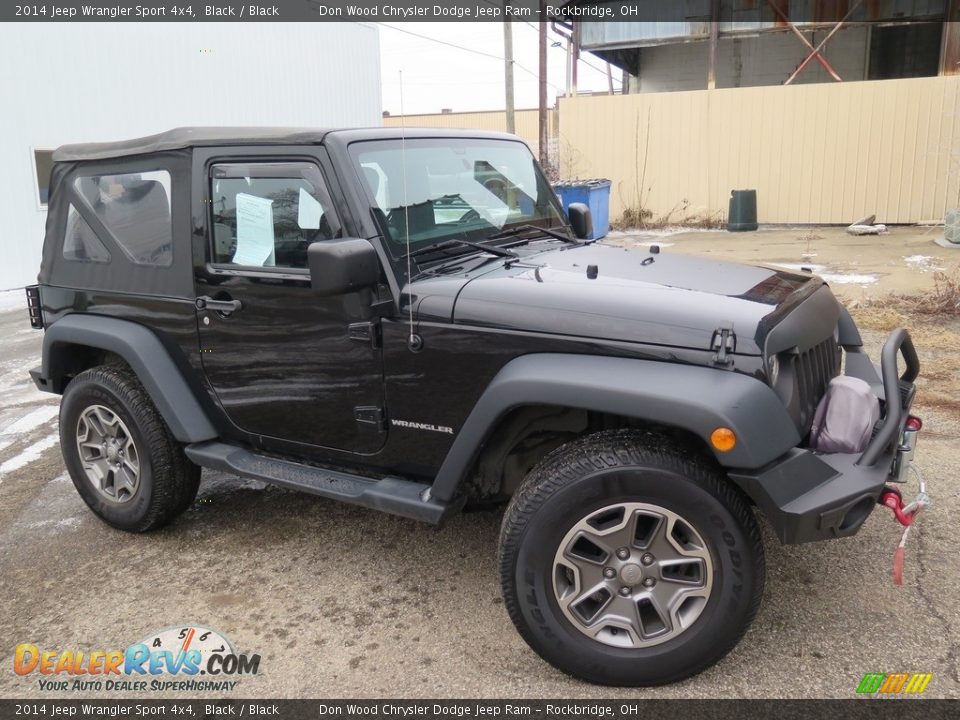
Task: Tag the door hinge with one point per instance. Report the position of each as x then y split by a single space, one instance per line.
365 332
370 415
723 344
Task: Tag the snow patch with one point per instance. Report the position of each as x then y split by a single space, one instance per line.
834 278
12 300
648 243
923 263
31 421
66 524
31 454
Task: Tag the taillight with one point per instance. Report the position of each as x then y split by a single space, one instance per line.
33 306
913 423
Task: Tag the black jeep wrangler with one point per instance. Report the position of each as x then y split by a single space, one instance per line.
408 322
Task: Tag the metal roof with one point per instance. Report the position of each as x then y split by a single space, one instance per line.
186 137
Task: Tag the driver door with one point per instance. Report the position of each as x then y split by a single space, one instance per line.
283 361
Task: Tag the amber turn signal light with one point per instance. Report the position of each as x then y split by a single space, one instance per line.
723 439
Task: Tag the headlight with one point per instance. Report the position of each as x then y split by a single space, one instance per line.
773 369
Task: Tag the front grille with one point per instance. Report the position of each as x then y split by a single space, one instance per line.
813 370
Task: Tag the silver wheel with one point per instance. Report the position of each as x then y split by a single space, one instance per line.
632 575
109 456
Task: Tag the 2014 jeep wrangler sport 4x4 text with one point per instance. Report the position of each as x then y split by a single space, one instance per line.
407 321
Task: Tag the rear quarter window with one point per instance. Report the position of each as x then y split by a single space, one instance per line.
135 210
80 242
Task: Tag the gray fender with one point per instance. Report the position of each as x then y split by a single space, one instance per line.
146 355
696 399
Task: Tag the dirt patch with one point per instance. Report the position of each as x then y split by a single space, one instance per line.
906 260
937 339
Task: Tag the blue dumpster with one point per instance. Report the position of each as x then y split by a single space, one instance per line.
595 194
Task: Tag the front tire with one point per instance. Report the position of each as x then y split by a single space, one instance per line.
121 456
624 560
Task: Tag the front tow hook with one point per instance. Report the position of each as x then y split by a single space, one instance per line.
905 515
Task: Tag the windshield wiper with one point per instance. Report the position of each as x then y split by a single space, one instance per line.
520 229
453 242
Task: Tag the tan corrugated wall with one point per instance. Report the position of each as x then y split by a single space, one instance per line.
525 121
823 153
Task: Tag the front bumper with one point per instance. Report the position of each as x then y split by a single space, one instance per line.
809 496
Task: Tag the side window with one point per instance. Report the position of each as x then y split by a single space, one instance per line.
266 215
135 209
43 164
80 243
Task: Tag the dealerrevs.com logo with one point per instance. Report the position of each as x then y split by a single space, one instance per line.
190 658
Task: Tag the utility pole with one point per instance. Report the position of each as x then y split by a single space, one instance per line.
714 43
508 71
575 60
542 109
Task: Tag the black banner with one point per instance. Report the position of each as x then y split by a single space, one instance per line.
870 708
687 11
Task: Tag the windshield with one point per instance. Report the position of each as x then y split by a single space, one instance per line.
454 188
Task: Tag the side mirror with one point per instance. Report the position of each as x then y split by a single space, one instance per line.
580 220
340 266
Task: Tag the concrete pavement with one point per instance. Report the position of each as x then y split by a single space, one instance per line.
341 601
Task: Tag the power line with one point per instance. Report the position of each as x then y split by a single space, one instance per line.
442 42
470 50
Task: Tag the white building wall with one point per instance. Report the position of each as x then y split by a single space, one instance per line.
64 83
766 59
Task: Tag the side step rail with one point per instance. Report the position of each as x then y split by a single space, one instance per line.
393 495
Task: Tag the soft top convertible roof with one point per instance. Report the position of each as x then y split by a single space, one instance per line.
186 137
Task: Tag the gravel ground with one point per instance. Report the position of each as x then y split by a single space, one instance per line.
341 601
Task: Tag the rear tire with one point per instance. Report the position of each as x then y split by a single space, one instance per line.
675 590
121 456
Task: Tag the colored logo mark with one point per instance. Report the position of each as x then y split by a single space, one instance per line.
894 683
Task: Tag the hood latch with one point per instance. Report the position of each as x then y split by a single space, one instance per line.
723 344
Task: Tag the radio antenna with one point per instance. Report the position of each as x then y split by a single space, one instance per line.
406 207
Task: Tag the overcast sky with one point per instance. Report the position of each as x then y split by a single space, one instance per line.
437 76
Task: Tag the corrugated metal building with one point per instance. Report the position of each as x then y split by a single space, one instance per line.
64 83
746 43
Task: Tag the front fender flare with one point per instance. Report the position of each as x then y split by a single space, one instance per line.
696 399
143 351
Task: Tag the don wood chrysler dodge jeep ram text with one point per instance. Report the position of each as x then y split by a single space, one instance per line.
407 321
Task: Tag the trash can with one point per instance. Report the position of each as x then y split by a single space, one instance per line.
743 211
595 194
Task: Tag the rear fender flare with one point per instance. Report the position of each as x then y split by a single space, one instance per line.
146 355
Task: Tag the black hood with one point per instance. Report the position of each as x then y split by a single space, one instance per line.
636 296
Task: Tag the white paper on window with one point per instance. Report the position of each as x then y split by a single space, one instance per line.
309 211
255 240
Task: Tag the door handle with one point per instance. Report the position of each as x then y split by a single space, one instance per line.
223 306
